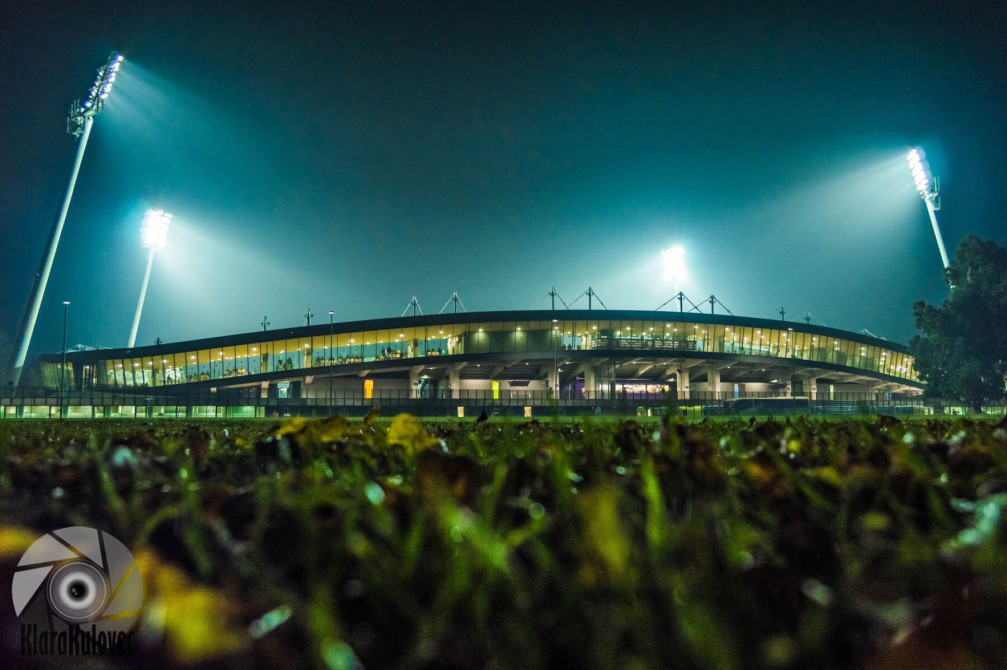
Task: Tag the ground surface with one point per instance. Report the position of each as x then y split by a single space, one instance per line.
862 543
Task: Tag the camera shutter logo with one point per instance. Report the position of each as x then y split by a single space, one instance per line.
77 577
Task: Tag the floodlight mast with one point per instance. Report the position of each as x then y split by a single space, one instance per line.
927 186
78 124
154 234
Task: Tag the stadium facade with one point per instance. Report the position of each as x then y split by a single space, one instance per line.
474 360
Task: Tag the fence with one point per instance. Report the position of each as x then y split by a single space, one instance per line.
40 402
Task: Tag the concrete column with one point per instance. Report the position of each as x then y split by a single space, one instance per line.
713 381
808 385
590 381
683 384
414 380
551 381
454 381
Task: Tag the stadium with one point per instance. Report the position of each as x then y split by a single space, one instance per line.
506 362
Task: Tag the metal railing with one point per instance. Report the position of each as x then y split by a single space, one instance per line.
26 402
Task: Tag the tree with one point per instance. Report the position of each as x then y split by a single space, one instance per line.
961 351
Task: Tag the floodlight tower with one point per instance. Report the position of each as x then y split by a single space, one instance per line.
78 124
154 233
927 186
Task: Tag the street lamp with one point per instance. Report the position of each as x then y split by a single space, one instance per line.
62 369
927 186
78 124
154 234
555 364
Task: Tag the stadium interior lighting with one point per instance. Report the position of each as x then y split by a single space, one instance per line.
154 234
78 124
927 186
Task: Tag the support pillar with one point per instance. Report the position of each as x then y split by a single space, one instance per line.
806 386
414 380
713 381
590 381
454 380
683 383
552 377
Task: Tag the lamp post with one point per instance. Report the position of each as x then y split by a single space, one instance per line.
78 124
555 364
927 186
154 233
331 359
62 368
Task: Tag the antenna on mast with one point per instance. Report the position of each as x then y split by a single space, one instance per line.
415 304
456 300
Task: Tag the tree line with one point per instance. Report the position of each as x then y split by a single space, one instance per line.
961 349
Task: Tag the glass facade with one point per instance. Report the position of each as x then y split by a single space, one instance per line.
646 333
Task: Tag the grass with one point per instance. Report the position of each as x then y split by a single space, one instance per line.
795 543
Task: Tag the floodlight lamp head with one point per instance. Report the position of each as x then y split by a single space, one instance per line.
674 262
80 110
926 184
154 231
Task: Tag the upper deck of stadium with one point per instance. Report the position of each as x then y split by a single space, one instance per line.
572 353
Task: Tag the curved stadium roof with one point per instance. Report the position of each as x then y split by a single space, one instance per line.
507 345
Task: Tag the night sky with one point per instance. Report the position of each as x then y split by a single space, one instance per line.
348 156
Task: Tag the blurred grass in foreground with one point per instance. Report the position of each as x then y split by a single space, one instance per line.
345 544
